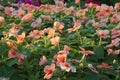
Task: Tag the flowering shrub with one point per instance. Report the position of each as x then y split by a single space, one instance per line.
60 43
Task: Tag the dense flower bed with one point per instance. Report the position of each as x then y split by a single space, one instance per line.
60 43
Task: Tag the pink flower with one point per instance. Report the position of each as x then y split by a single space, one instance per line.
115 33
114 42
111 51
104 65
65 66
36 34
43 60
49 70
28 17
96 24
2 20
117 6
86 52
47 17
115 18
59 26
66 49
13 54
77 2
36 23
90 66
103 33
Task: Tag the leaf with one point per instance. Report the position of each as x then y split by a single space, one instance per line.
11 62
99 52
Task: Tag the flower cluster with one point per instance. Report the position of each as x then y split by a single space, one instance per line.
60 43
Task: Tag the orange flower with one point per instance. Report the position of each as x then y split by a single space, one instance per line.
104 65
86 52
20 38
13 54
65 66
55 41
51 33
77 2
2 20
28 17
49 70
43 60
11 45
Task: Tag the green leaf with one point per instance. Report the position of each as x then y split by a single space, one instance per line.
99 52
11 62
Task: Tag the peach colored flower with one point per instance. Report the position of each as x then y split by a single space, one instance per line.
103 33
115 33
2 20
49 70
77 2
65 66
111 51
80 13
70 10
13 54
66 49
114 42
51 33
36 34
20 38
11 45
77 25
104 65
43 60
86 52
47 17
90 66
59 26
55 41
36 23
28 17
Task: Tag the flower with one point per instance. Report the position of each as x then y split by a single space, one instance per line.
49 70
65 66
55 41
36 34
46 17
58 25
11 45
103 33
90 66
43 60
20 38
28 17
86 52
111 51
13 54
36 23
2 20
104 65
77 2
114 42
115 33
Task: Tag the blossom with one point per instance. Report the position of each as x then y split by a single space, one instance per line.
66 49
114 42
36 23
55 41
103 33
117 6
58 25
111 51
115 18
13 54
51 33
49 70
9 10
86 52
46 17
96 24
43 60
11 45
104 65
2 20
77 2
28 17
36 34
20 38
115 33
65 66
90 66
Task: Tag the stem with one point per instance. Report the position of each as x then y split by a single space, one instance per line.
79 37
100 41
82 58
